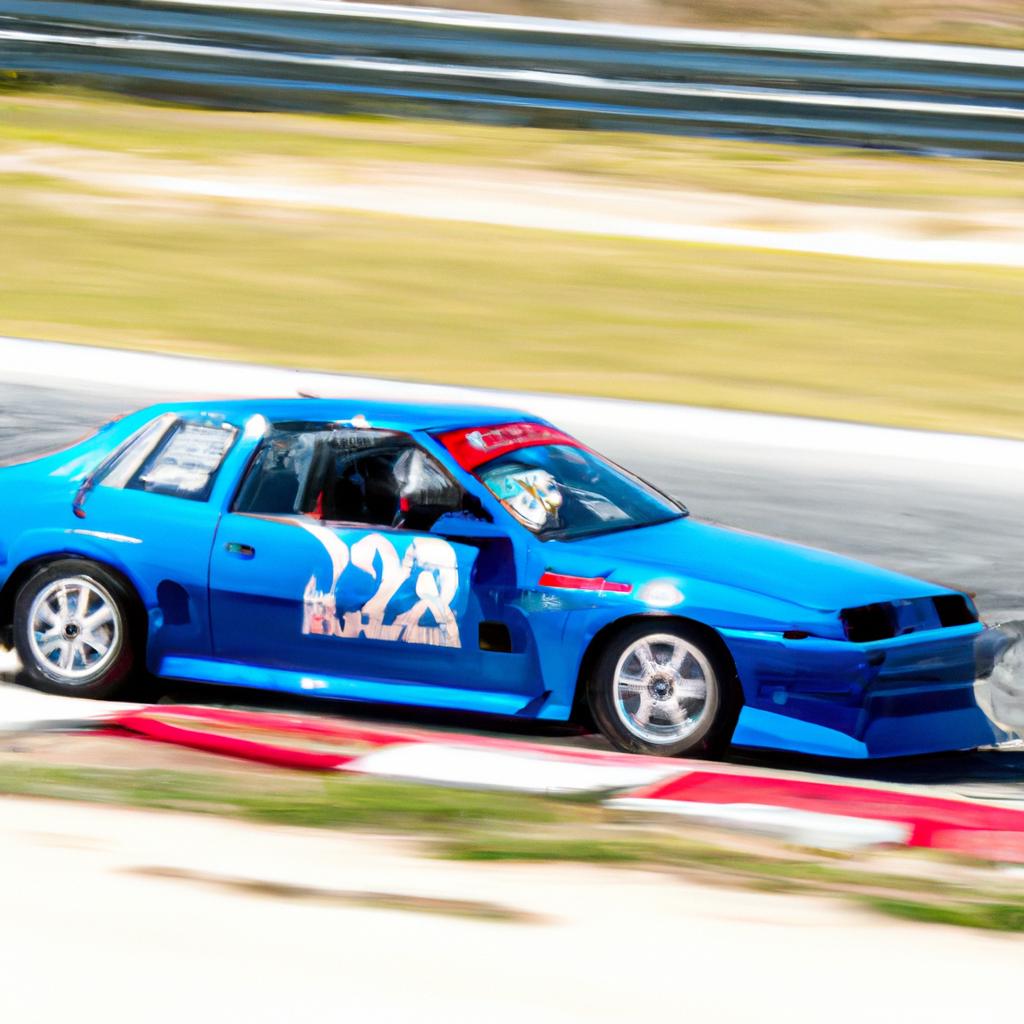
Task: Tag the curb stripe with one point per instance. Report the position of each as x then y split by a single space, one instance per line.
233 746
456 764
803 828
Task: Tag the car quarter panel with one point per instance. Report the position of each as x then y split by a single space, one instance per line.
159 543
36 519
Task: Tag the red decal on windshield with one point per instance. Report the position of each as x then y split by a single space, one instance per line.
473 447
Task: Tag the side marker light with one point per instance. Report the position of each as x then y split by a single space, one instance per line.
596 584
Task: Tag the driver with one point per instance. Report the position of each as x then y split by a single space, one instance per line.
530 494
422 489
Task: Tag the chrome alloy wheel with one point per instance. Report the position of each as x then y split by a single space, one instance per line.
76 630
664 687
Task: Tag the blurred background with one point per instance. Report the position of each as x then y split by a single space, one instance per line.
501 201
809 211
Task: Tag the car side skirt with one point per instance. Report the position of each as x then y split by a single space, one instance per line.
377 691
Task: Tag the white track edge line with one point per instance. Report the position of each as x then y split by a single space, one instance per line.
45 363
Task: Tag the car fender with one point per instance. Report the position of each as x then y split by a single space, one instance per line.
711 606
37 547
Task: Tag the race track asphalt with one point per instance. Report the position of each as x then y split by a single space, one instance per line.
962 527
956 527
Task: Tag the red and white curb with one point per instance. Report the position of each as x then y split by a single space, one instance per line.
801 828
802 810
452 764
834 814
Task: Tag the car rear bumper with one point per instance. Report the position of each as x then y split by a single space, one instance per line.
914 694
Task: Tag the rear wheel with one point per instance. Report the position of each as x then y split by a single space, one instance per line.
663 690
75 629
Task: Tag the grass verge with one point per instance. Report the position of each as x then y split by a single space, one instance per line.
305 800
998 915
486 826
934 347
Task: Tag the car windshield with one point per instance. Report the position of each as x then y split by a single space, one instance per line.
564 492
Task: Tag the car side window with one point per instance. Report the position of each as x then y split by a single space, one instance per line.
185 462
347 474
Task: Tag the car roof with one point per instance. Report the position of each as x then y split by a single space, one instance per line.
405 416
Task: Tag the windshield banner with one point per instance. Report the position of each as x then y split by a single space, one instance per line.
477 445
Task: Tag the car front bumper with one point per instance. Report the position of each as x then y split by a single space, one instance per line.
913 694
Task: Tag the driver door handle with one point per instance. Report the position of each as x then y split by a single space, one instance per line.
242 550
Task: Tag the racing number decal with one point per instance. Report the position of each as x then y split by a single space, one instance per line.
436 586
431 560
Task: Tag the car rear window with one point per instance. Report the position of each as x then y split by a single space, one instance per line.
186 461
171 456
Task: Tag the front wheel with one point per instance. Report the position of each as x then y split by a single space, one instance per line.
74 629
663 690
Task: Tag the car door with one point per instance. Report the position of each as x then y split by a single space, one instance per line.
300 586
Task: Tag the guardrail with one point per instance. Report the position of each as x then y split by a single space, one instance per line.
333 56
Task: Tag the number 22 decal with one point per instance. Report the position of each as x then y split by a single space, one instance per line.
435 564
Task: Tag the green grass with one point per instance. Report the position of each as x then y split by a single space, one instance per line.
314 800
918 346
998 915
935 347
548 849
486 826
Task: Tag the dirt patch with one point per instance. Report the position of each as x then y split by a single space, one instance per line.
340 897
285 189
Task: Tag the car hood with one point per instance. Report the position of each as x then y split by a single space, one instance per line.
808 577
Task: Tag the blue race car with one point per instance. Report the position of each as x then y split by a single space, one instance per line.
463 558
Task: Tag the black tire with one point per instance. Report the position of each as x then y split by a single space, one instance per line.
704 734
42 653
